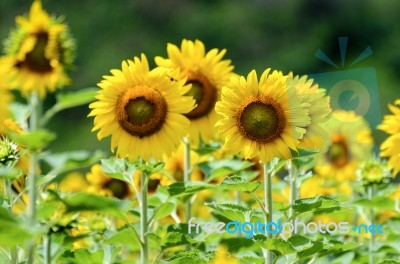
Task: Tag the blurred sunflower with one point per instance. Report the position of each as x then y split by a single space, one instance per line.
142 110
6 98
390 147
351 142
174 165
155 180
73 182
38 52
316 186
315 137
207 73
102 184
262 118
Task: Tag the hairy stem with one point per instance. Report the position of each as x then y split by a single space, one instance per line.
268 206
143 219
186 175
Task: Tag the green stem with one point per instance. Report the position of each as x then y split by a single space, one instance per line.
34 120
8 193
47 249
370 191
143 219
268 206
293 174
186 175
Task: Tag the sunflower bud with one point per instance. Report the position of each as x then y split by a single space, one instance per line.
373 171
8 152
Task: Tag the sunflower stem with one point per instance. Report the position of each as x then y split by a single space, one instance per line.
34 120
8 193
143 219
47 249
186 175
370 192
293 174
268 206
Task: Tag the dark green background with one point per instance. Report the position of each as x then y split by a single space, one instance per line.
258 34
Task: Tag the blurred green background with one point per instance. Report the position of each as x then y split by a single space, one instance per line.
284 35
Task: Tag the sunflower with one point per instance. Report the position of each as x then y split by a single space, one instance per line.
262 117
142 110
206 73
315 137
101 183
351 142
390 147
38 52
174 165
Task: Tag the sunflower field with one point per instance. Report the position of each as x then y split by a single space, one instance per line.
199 131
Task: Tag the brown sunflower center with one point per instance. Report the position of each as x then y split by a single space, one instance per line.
153 184
261 119
141 111
338 153
119 188
203 92
35 60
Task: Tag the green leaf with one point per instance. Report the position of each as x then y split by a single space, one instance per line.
124 236
9 173
192 256
84 256
35 140
11 231
279 246
389 261
209 148
80 97
71 160
222 168
378 202
238 183
187 188
300 242
232 211
78 202
317 205
163 210
315 248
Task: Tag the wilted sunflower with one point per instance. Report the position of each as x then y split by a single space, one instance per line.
263 117
351 142
316 137
38 52
390 147
207 73
101 183
142 110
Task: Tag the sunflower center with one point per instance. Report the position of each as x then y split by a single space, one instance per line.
36 60
203 93
118 188
338 152
141 111
153 184
261 119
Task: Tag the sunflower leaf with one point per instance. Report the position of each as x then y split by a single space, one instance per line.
187 188
238 183
35 140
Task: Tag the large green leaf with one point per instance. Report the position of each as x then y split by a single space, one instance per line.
163 210
378 202
238 183
190 256
124 236
222 168
317 205
34 140
11 231
232 211
78 202
187 188
390 261
70 100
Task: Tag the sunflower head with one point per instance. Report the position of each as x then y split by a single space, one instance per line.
390 147
319 109
142 110
262 117
206 73
101 183
38 51
350 142
372 171
8 152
